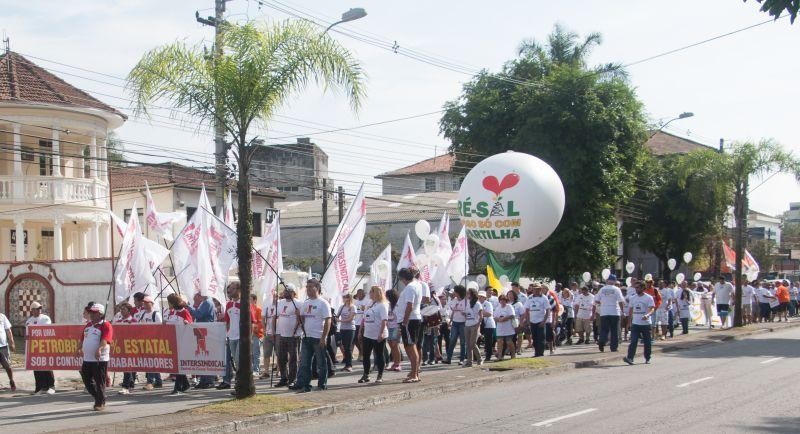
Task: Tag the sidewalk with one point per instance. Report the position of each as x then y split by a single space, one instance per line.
345 394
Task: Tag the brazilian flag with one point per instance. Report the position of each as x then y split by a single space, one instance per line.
495 269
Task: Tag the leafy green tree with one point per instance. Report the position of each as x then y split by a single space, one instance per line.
746 160
258 71
677 214
776 7
585 122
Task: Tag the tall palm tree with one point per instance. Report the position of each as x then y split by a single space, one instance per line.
260 67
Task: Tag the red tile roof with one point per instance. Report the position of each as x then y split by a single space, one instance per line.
441 163
664 143
23 81
172 174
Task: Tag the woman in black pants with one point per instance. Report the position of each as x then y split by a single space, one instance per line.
347 329
374 333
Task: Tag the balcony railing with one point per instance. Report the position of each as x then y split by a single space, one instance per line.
53 190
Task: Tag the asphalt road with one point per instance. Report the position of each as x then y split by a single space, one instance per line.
743 386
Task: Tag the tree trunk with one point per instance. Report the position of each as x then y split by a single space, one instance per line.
245 386
740 214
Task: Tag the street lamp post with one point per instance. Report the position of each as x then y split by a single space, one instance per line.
351 15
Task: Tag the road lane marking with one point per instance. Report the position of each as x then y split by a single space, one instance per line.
549 422
774 359
699 380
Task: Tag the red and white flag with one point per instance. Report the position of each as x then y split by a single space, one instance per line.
119 224
340 277
458 265
355 213
268 261
138 260
380 272
407 255
160 222
444 248
203 253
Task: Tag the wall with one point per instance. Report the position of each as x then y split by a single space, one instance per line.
295 169
65 287
416 183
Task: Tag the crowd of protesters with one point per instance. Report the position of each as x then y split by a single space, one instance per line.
299 341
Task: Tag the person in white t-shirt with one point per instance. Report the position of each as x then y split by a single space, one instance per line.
474 313
537 309
374 332
289 329
505 316
641 309
747 304
45 380
362 302
684 304
489 326
611 302
584 314
723 293
316 315
458 307
567 300
410 319
95 349
6 342
347 330
148 314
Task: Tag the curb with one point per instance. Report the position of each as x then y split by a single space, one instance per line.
366 403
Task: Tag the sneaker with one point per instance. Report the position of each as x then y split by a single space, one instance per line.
304 390
446 362
99 408
223 385
176 393
321 388
647 362
148 386
627 360
331 374
364 379
347 369
36 392
281 383
124 392
294 386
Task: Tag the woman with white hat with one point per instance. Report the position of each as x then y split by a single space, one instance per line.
45 380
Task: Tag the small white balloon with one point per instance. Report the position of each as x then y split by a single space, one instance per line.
504 280
672 263
481 279
697 276
628 281
687 257
422 229
586 277
679 278
606 272
648 276
629 267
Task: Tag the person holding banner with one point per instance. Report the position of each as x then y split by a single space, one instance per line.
178 314
203 311
148 314
316 314
95 348
45 380
125 310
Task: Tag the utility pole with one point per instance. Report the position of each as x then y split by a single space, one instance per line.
324 223
341 203
220 149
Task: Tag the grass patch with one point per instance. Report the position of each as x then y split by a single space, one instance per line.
521 363
257 405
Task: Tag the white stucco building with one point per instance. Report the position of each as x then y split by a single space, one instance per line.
54 191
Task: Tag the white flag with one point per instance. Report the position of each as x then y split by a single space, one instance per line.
355 212
444 248
119 224
160 222
458 265
203 252
228 215
138 260
407 255
340 276
203 201
264 272
380 272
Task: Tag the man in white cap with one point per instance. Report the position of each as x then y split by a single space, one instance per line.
148 314
95 349
45 381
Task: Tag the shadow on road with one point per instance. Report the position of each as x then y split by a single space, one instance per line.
777 347
772 424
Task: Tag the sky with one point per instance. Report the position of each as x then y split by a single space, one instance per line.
739 87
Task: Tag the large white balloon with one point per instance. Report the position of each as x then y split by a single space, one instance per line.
587 276
481 279
687 257
672 263
629 267
511 202
679 278
606 272
697 276
422 228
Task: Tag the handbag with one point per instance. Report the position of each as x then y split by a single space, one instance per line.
515 322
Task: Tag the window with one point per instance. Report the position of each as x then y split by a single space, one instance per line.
289 189
430 184
127 216
256 221
456 183
190 210
45 157
27 153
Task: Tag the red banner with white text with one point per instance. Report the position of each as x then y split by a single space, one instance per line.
194 349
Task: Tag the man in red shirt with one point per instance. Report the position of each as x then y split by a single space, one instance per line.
95 349
232 315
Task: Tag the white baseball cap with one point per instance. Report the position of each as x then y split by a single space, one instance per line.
99 308
36 305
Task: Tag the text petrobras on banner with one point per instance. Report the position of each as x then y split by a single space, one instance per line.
197 349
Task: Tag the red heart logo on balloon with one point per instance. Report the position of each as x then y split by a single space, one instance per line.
492 184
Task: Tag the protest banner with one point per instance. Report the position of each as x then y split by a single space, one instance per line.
194 349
